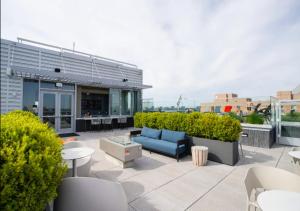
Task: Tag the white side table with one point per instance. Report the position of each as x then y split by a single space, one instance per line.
76 153
279 200
295 154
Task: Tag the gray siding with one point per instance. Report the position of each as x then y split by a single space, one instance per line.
42 59
11 88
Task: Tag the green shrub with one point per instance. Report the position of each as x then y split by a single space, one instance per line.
161 120
138 122
227 129
173 121
255 118
235 116
206 125
31 162
189 122
291 117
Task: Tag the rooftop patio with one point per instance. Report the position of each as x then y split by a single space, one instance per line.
158 182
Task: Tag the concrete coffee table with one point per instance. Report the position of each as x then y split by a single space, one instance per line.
121 150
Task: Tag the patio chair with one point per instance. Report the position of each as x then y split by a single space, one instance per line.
95 124
90 194
83 164
261 178
107 123
122 122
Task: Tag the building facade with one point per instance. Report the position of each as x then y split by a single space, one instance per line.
245 106
66 88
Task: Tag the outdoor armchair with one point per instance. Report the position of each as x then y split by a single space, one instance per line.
90 194
261 178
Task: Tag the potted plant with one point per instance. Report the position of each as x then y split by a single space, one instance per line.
31 163
219 133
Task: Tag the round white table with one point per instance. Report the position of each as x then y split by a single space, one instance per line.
279 200
295 154
76 153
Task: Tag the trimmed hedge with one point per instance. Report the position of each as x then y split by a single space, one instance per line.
31 163
206 125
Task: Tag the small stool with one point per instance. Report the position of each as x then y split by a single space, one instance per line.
199 155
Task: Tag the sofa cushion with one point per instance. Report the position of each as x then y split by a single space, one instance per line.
159 145
151 133
145 141
172 136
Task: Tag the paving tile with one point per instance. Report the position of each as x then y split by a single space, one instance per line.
159 182
144 183
102 165
228 195
184 190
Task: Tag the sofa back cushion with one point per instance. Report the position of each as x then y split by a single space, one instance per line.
151 133
172 136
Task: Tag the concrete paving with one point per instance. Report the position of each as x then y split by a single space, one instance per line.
158 182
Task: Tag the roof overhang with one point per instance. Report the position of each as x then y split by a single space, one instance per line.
31 73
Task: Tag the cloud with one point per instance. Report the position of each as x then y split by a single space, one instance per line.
193 48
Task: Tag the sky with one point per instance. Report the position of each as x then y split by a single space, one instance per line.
193 48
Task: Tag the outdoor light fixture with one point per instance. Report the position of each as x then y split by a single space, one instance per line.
9 71
57 70
59 85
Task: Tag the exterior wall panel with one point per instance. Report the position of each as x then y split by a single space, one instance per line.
43 59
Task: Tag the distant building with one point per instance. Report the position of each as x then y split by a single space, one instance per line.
222 100
148 104
290 95
247 105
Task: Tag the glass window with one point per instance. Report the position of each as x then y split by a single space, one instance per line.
94 104
218 109
65 104
135 102
126 102
115 101
30 95
48 85
48 104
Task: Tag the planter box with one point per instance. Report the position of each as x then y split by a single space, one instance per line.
258 135
219 151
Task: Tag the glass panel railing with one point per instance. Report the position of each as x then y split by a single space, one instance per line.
290 118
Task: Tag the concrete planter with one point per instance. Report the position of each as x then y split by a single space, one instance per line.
219 151
258 135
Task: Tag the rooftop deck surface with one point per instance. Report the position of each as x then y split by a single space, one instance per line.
158 182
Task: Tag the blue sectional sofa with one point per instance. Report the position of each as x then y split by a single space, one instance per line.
169 142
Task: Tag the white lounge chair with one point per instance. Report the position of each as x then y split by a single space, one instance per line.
90 194
261 178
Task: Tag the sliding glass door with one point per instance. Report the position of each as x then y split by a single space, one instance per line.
58 110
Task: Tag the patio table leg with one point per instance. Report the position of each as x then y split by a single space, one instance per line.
74 170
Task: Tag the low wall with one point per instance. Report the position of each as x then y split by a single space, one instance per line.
258 135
